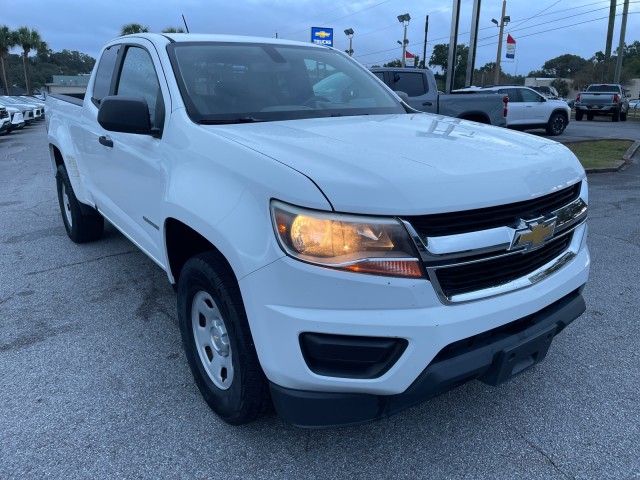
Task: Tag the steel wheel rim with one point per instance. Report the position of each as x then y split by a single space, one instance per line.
212 340
66 205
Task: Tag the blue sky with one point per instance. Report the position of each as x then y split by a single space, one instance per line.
543 29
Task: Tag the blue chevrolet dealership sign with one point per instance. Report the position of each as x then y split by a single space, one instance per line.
322 36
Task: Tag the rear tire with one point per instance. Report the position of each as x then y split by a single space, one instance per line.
623 116
82 223
217 340
615 117
579 116
556 125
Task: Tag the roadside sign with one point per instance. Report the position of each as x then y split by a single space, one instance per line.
322 36
409 60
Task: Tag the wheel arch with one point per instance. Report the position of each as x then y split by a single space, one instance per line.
182 243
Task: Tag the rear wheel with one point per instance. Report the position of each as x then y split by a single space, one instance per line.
623 116
217 341
557 124
615 117
579 116
82 223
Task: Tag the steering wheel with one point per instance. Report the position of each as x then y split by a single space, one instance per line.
314 99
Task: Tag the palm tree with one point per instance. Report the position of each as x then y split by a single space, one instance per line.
172 30
133 28
7 41
29 40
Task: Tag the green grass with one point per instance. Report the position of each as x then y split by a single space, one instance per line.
599 153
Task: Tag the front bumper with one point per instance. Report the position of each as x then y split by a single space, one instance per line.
491 358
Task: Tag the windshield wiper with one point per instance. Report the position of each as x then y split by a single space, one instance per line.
229 121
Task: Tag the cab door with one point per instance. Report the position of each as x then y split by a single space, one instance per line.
128 176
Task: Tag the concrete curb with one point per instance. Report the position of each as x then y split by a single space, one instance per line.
626 159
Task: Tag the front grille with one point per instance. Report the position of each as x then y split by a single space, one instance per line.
4 114
491 217
490 273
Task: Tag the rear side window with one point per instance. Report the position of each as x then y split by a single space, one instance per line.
412 83
104 75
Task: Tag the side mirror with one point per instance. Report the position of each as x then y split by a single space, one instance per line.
403 95
125 114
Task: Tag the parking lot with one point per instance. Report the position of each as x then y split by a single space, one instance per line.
95 383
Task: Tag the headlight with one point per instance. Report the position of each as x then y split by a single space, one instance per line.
360 244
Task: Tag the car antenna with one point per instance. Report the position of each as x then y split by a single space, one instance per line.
185 23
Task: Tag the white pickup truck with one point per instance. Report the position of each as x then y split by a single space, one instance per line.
341 259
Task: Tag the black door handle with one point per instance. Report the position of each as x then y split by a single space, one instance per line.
106 141
427 104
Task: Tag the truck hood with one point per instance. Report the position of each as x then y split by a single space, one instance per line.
412 164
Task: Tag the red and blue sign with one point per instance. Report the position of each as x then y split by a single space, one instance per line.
322 36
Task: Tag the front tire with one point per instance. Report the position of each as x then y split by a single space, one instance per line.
217 341
557 124
82 223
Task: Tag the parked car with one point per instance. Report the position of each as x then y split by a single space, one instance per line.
602 99
547 91
28 111
5 121
420 87
530 110
634 104
16 117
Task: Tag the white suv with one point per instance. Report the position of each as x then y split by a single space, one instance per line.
530 110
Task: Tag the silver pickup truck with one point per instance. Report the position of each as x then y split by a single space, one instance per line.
602 100
420 86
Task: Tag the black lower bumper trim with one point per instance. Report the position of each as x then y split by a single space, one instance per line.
492 362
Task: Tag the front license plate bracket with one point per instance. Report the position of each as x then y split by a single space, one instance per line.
519 357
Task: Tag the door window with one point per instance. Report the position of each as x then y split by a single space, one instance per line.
529 96
138 79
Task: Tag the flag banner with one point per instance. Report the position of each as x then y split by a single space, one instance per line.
511 47
409 60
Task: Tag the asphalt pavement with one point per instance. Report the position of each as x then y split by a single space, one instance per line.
94 382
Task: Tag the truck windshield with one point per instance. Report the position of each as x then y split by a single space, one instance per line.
247 82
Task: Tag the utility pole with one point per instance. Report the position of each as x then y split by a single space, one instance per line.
496 76
473 42
623 30
424 49
453 46
607 48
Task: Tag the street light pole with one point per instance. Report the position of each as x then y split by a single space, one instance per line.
404 20
496 76
349 33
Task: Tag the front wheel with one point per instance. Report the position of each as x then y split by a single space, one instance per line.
82 223
217 341
557 124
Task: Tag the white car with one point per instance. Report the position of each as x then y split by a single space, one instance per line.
530 110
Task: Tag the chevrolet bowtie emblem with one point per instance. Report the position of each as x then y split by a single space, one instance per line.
532 234
322 34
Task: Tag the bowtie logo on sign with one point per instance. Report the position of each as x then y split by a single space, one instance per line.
322 36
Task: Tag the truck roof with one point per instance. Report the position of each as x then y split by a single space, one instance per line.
163 38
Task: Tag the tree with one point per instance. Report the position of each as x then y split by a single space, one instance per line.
393 63
29 40
7 41
440 58
172 30
564 65
130 28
